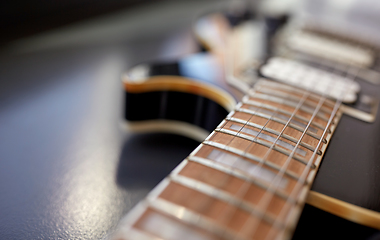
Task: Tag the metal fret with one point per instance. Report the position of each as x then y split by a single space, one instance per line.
191 218
287 103
246 155
223 196
126 224
236 173
255 140
254 103
265 136
284 96
279 121
305 145
287 88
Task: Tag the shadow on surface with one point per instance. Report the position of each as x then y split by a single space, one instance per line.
147 158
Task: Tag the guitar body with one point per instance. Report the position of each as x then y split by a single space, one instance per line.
186 97
191 97
346 190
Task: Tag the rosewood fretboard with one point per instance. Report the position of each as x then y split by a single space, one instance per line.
249 178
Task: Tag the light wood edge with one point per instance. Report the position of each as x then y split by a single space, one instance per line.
167 126
344 210
181 84
294 217
358 114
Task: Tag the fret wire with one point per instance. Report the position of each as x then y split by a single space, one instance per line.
279 94
223 196
262 142
236 173
181 213
288 103
304 174
248 155
244 136
127 222
274 118
336 106
243 189
276 181
305 171
264 137
314 114
246 185
289 88
279 121
273 88
247 101
230 142
290 138
189 217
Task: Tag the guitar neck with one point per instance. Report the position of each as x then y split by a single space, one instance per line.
249 178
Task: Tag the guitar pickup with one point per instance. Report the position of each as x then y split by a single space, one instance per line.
311 79
364 109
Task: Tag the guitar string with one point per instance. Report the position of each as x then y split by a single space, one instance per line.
306 169
278 177
235 136
297 188
260 129
245 151
267 198
309 164
297 142
246 185
294 191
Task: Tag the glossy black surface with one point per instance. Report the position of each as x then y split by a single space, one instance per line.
67 168
171 105
317 224
351 166
60 145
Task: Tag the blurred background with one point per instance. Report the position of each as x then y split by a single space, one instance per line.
67 168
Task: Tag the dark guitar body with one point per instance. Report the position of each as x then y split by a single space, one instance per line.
350 170
178 106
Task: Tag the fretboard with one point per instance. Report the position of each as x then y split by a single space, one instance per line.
249 178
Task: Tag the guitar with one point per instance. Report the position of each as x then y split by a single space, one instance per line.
250 178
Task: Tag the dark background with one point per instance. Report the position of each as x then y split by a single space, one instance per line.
68 169
20 18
